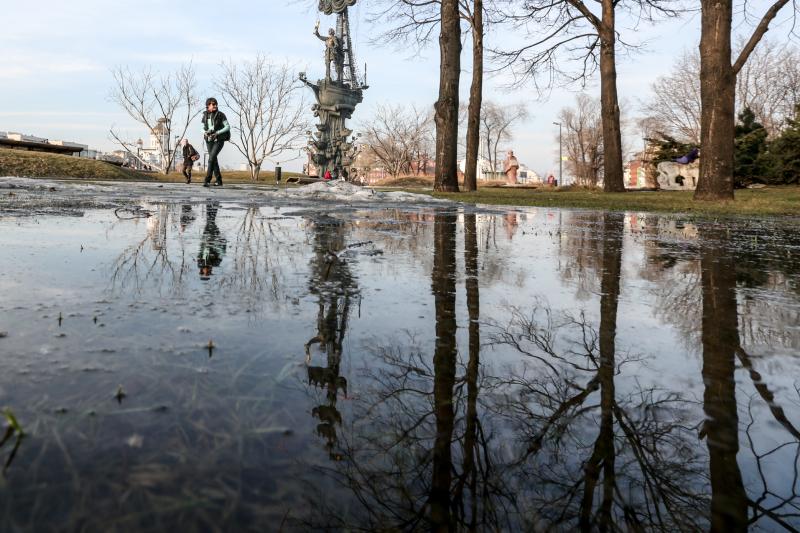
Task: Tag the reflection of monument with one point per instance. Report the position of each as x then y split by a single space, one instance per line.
334 284
510 167
331 146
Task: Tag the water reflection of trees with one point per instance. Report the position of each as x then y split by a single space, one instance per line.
148 259
260 256
418 456
591 454
253 263
732 508
570 435
579 250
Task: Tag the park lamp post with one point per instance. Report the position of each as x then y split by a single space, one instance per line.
560 156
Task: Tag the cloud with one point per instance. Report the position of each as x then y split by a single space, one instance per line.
24 64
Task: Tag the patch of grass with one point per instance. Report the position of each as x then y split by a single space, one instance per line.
767 201
46 165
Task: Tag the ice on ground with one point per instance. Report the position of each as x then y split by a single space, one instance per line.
340 192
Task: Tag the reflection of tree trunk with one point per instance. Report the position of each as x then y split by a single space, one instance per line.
603 456
720 341
444 363
473 308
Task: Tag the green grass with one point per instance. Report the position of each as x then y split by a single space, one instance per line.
767 201
46 165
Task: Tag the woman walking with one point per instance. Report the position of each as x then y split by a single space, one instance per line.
216 131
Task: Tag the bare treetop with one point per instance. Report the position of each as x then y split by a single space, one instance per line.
164 104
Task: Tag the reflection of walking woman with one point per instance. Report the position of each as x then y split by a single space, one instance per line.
212 243
216 131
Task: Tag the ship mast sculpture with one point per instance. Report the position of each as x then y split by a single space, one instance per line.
331 147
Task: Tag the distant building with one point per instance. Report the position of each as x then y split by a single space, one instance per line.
528 176
159 137
635 174
32 143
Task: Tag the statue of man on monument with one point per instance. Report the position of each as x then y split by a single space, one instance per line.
333 53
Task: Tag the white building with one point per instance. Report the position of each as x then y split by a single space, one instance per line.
159 140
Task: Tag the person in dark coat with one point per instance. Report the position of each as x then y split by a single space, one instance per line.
190 155
216 131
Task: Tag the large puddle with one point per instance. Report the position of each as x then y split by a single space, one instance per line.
219 367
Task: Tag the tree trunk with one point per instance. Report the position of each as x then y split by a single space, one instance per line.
613 179
255 170
717 97
447 106
475 100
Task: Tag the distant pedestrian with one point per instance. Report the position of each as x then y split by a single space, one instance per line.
216 131
190 155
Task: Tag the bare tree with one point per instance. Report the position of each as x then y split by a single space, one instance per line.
583 139
267 108
165 105
675 105
769 84
718 93
398 138
415 20
584 32
496 126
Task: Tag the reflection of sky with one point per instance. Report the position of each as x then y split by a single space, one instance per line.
152 326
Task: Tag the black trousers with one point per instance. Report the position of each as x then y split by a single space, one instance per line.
214 148
187 169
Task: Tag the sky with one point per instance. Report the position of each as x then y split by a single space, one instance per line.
56 77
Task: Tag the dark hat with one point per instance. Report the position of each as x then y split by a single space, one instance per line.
211 100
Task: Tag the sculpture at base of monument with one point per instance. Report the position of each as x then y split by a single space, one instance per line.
510 167
674 176
681 174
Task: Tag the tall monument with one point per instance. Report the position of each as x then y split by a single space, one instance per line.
331 147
